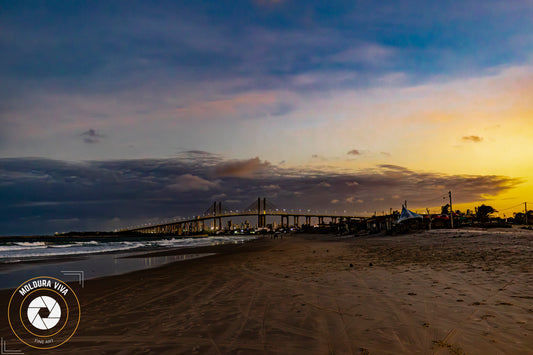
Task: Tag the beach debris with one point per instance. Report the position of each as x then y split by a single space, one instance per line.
451 348
486 316
351 265
370 264
412 294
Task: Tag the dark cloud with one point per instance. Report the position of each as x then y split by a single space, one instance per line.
91 136
241 168
198 152
474 139
393 167
354 152
44 196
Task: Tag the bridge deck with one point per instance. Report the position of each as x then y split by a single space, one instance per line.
241 214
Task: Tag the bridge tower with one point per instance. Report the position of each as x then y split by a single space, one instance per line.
261 213
219 219
216 212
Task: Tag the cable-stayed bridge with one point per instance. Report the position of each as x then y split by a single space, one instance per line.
261 208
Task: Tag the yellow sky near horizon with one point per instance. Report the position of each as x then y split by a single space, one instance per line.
478 126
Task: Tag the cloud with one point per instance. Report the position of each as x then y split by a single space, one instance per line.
248 105
354 152
319 158
394 167
218 197
188 182
474 139
367 53
241 168
39 195
198 152
271 187
91 136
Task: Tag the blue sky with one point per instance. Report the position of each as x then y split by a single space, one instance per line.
293 84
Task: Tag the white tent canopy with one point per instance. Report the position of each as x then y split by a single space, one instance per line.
406 215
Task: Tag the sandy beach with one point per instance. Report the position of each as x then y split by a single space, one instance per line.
433 292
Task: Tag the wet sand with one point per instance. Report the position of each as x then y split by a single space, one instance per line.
438 292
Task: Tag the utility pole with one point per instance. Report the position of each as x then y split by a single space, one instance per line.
451 208
525 210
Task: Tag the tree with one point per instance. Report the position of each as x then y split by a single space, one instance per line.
483 212
445 209
520 217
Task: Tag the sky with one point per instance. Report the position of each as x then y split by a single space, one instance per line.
118 113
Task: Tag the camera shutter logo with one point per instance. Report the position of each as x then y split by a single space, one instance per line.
34 312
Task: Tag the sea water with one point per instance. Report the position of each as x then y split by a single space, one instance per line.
13 251
65 259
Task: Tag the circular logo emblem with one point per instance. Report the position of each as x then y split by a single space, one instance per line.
44 312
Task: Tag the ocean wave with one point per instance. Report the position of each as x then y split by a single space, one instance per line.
77 244
31 244
92 242
24 250
16 247
59 251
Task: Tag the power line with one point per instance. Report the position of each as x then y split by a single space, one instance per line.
441 198
508 208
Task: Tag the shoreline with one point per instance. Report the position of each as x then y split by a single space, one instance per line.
125 261
425 292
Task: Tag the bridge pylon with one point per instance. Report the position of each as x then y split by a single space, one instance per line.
261 213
